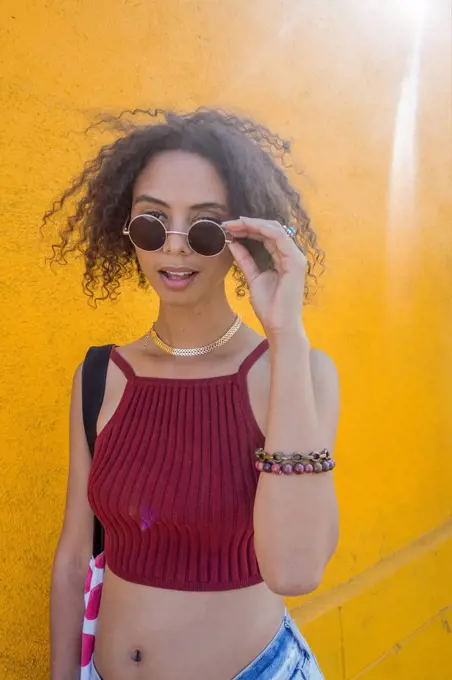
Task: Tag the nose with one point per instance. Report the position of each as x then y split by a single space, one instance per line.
176 243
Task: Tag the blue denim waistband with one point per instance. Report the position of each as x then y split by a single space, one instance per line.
286 657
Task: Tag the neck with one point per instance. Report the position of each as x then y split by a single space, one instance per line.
188 327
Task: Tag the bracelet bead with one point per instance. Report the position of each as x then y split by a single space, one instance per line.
298 463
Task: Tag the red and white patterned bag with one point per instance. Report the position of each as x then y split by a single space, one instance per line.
93 592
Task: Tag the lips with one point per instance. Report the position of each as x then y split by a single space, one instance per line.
177 275
177 278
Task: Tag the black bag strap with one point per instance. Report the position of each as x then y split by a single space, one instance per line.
94 375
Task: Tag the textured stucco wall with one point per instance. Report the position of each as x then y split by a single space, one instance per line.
336 77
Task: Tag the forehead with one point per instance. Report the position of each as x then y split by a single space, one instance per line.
181 177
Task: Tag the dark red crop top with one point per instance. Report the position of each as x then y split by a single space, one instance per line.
173 481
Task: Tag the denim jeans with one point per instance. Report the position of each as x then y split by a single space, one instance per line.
286 657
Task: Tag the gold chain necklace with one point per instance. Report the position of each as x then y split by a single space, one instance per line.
192 351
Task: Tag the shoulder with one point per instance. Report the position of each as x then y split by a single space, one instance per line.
324 373
93 355
325 384
322 363
77 378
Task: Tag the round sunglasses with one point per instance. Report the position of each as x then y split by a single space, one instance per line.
205 237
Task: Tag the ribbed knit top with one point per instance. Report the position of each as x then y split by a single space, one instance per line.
173 481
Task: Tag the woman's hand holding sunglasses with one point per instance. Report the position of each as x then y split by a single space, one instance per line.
276 295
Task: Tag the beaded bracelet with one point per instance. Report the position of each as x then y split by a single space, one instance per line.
287 463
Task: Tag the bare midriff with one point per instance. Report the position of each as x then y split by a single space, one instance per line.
147 633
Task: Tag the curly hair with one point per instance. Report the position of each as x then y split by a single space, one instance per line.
250 159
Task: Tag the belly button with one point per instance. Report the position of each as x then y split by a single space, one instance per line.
136 656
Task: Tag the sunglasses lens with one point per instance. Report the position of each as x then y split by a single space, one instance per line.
147 232
206 238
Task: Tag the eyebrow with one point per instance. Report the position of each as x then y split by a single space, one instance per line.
146 198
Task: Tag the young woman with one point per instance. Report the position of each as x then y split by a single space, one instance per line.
203 538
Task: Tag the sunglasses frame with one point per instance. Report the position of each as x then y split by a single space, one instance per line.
126 232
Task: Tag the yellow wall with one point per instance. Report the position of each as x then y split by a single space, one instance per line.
342 79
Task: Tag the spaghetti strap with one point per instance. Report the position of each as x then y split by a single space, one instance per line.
122 363
251 359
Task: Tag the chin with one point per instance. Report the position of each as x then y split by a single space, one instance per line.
189 297
178 300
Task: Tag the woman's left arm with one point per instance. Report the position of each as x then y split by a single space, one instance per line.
295 516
